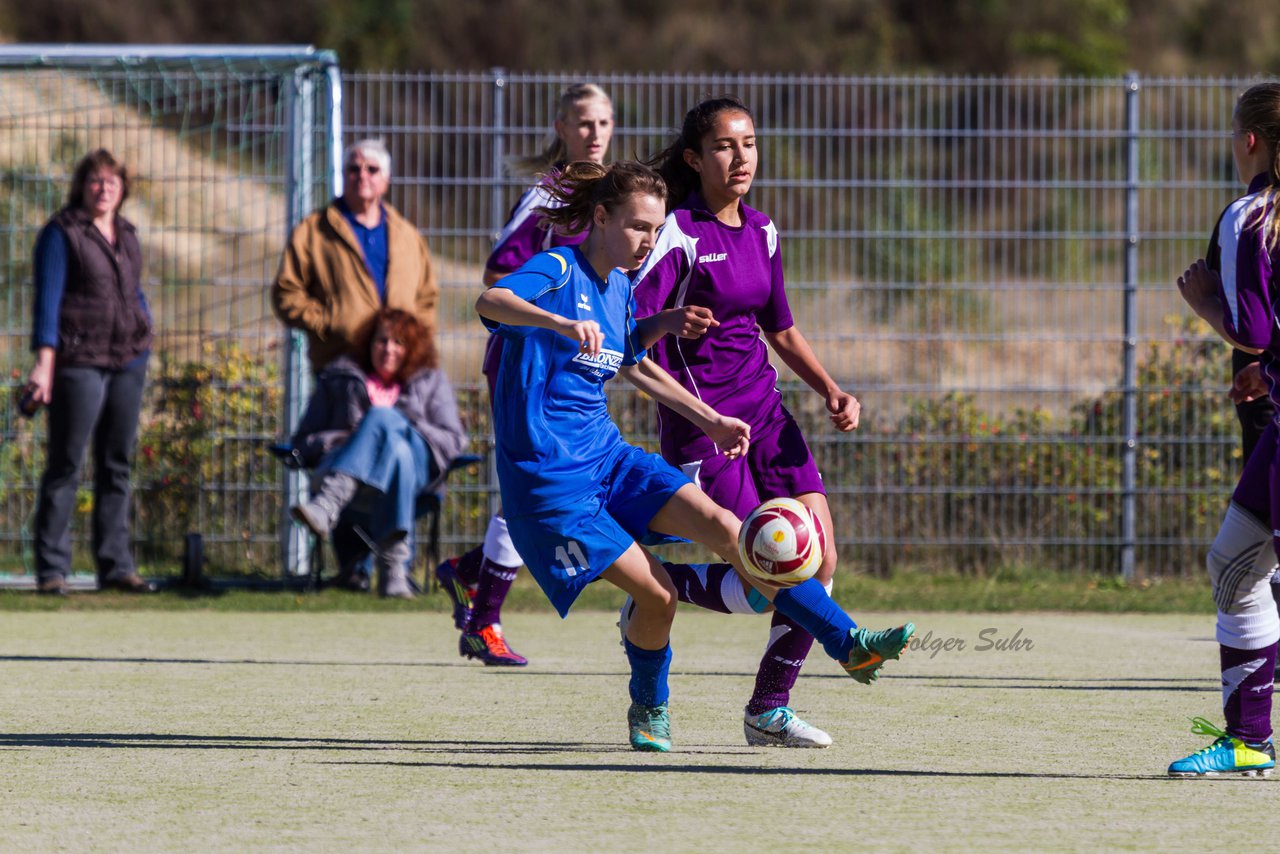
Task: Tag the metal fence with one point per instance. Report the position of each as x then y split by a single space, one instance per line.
228 147
987 263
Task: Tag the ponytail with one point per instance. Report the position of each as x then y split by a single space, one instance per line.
583 185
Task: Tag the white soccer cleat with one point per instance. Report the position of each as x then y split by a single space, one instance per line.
781 727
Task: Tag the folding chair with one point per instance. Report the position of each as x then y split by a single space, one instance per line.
428 507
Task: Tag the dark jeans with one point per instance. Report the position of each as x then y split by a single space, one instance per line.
102 406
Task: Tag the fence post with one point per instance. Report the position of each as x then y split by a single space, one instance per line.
294 544
497 217
1129 411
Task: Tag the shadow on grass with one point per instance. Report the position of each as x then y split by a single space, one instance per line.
1041 683
185 741
757 770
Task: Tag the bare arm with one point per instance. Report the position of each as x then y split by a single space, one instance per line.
1199 288
793 348
731 435
691 321
501 305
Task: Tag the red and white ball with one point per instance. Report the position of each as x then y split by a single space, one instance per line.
782 542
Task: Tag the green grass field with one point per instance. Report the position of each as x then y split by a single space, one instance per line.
221 731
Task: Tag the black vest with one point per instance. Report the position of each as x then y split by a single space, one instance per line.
101 321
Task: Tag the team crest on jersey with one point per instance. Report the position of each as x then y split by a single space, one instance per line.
603 364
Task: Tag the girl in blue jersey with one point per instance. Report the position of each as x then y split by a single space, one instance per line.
578 498
1234 290
717 268
478 581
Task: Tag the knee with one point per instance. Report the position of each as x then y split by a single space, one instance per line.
830 559
379 418
658 599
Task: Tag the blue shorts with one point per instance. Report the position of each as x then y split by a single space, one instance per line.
567 548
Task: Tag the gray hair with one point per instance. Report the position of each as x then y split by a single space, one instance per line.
370 149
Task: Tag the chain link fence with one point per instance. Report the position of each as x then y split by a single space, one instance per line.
987 263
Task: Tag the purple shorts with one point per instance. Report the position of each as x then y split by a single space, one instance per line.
777 465
1259 488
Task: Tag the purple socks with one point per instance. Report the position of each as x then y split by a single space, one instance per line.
1247 676
784 655
491 591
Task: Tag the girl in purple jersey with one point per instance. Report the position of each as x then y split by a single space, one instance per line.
478 581
579 507
1235 291
715 282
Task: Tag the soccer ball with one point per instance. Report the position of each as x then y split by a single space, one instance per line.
782 542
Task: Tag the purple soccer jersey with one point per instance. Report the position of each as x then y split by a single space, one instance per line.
1239 253
525 235
737 273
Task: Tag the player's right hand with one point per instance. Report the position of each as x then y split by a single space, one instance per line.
586 332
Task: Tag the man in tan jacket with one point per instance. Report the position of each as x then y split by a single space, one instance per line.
342 264
349 259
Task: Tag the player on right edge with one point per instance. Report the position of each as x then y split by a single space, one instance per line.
1233 293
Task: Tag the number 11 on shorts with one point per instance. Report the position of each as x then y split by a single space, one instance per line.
571 557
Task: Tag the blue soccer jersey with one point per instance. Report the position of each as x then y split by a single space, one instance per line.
555 439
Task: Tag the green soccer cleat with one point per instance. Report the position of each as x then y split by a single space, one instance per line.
872 649
650 728
1227 755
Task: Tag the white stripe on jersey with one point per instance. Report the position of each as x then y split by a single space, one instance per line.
672 239
1237 214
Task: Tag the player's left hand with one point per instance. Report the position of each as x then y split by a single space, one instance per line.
731 435
844 409
691 321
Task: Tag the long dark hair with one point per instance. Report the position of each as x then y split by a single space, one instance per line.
584 184
681 178
419 342
90 163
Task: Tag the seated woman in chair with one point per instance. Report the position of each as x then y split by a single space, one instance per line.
380 430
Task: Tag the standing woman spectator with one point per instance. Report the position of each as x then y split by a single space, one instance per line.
716 276
1233 293
478 581
92 336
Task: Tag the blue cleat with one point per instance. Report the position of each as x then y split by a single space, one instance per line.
650 728
1227 755
872 649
